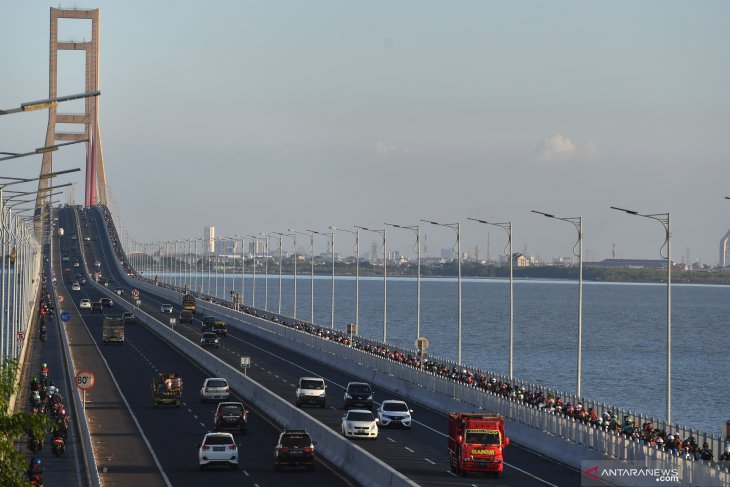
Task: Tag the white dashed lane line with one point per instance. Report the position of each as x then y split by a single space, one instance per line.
390 439
429 461
410 450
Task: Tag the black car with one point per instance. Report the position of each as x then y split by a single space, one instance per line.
207 323
220 328
359 394
106 302
230 415
294 449
186 316
96 307
210 339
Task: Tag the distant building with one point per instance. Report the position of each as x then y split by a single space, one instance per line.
446 254
209 239
520 260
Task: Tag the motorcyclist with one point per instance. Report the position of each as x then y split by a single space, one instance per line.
35 470
35 385
44 370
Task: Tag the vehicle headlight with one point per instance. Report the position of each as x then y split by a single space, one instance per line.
347 396
370 397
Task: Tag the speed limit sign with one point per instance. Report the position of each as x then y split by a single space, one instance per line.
60 298
135 293
84 380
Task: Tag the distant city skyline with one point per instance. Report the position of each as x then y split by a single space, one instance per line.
255 118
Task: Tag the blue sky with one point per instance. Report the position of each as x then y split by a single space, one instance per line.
261 116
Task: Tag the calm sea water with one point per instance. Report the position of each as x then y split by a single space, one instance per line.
624 333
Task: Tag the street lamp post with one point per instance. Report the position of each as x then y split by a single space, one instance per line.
577 222
456 227
507 227
243 267
416 229
266 270
280 262
663 218
384 234
332 251
255 246
294 238
311 250
356 233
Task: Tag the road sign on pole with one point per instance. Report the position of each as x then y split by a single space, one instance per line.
135 293
21 336
60 299
245 364
65 316
84 381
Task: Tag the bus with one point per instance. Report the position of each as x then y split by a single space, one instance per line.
188 303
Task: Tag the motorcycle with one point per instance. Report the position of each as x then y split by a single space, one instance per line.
44 337
58 446
35 444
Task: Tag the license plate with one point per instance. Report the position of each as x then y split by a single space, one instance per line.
295 453
219 448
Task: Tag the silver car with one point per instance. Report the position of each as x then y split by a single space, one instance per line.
215 389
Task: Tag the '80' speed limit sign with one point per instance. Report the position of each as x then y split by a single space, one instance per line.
84 380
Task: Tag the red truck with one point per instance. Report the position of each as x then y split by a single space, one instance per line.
477 442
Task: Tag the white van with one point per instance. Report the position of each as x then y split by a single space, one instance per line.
311 390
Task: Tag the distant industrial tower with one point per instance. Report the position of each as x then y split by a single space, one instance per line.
95 188
723 249
209 239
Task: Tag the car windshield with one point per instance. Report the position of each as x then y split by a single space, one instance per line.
209 336
231 408
359 416
207 319
312 384
296 440
216 383
482 437
218 440
359 389
395 406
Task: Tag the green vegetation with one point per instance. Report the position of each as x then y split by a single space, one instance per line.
13 427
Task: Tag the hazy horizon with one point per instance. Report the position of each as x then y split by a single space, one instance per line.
259 117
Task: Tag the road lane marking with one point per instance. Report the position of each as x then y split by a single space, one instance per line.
390 439
410 450
429 461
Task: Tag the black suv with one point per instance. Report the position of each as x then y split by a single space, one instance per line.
106 302
294 449
220 328
231 415
359 394
207 323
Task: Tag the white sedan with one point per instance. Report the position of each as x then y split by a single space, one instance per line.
391 413
166 308
218 449
75 286
359 423
85 304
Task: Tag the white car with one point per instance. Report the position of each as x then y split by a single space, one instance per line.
218 449
75 286
85 304
215 388
166 308
359 423
392 413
